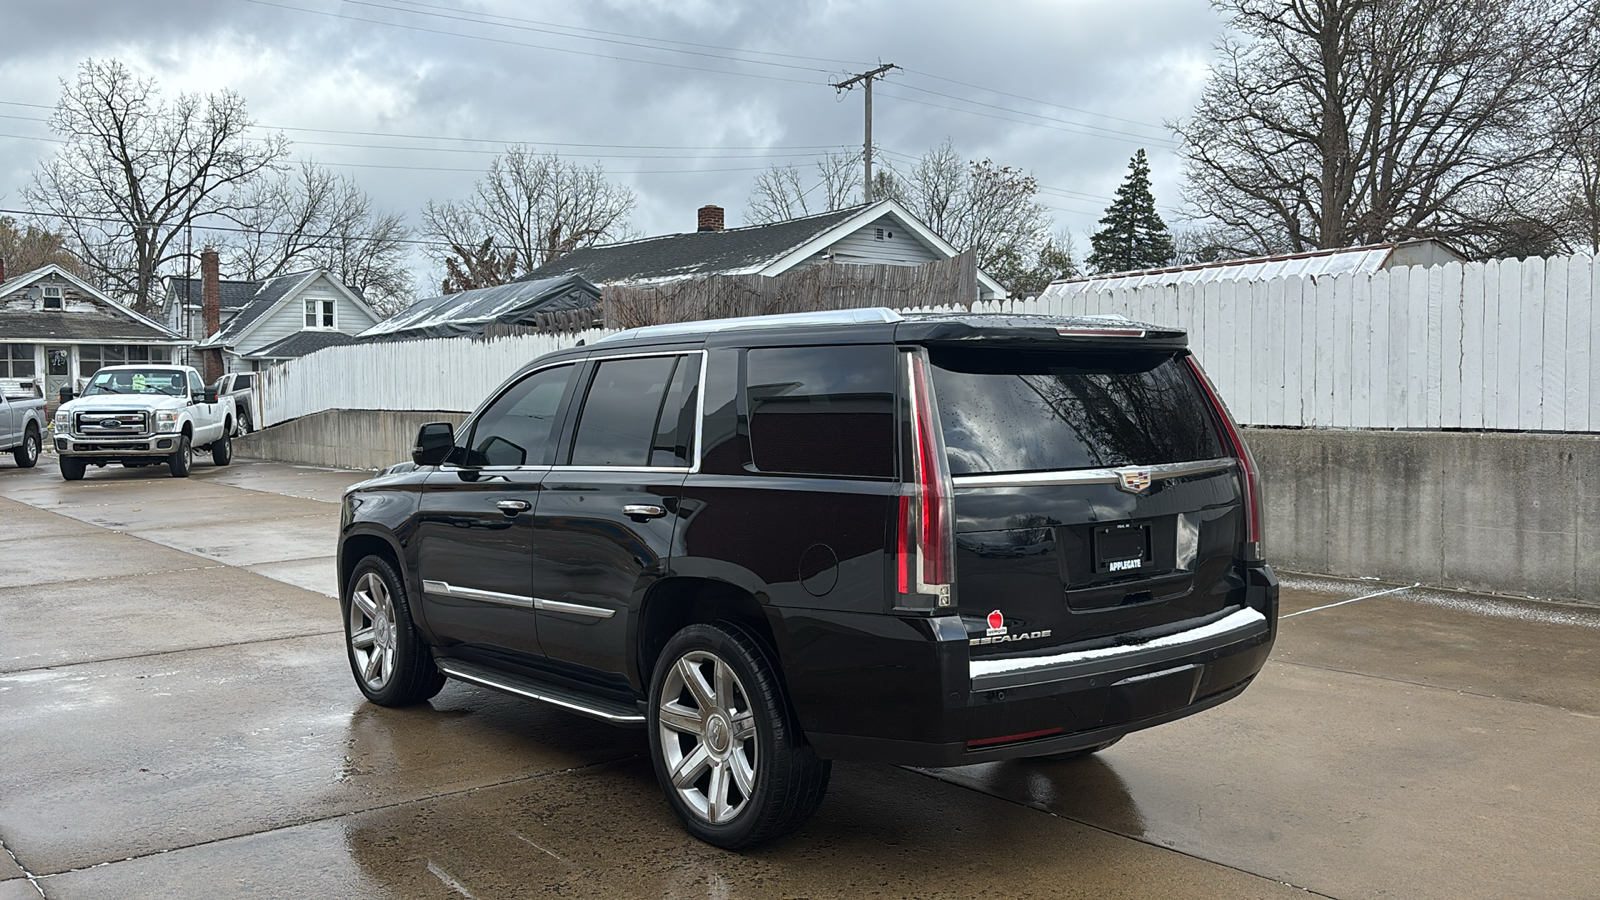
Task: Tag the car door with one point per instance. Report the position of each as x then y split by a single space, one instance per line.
604 525
207 416
474 538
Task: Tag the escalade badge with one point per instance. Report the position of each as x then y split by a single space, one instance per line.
1134 481
997 623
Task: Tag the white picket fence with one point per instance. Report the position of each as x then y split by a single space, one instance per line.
1504 345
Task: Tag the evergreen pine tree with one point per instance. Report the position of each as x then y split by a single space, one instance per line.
1133 236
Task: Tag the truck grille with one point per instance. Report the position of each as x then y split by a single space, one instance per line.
125 423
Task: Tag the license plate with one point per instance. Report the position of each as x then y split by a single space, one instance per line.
1122 548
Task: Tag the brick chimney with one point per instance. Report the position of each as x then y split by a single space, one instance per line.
211 309
711 218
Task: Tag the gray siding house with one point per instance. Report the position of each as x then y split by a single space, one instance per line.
882 233
57 330
265 322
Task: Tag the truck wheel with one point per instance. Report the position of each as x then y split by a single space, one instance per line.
27 453
179 463
390 660
245 425
727 750
222 450
72 468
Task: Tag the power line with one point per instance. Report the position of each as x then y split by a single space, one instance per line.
1075 109
974 112
611 40
1019 112
846 62
491 40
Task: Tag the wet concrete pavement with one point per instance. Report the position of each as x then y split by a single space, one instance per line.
177 720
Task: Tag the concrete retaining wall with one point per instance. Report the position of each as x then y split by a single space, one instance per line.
1513 513
343 438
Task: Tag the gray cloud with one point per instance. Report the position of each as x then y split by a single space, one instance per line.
437 68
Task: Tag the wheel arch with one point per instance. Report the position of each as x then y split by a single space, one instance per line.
672 604
360 544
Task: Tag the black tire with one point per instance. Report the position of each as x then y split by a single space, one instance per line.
72 468
179 463
1077 754
222 450
27 453
787 778
392 667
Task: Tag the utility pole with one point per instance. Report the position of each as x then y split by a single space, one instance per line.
865 79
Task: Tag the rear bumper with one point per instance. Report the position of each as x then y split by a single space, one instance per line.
990 710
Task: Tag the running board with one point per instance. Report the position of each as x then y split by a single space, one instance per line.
615 712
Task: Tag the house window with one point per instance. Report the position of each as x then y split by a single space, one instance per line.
319 314
52 297
16 361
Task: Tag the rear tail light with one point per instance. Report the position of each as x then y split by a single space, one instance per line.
1251 551
924 527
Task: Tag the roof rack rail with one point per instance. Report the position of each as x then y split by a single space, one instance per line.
873 315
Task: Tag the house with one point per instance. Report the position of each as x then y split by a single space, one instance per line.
471 312
881 233
56 330
259 323
1354 260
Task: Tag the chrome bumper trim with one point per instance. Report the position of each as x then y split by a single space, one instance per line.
1245 620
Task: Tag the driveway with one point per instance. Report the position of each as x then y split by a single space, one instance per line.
177 719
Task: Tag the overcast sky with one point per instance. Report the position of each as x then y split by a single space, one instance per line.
684 100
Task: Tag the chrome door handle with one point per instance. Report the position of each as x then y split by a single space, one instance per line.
512 507
643 511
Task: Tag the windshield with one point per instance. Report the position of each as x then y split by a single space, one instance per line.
167 382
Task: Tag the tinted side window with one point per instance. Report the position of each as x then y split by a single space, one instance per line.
1009 411
196 388
822 410
515 429
618 424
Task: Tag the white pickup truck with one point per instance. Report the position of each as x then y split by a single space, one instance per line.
143 415
21 427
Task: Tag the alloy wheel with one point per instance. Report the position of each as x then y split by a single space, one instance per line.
708 736
372 631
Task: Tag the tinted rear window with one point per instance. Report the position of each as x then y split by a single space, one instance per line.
1010 411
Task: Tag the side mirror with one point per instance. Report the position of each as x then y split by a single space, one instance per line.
66 393
435 440
210 395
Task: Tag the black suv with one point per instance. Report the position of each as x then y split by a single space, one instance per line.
779 541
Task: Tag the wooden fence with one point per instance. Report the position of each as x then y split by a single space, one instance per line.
948 282
1505 345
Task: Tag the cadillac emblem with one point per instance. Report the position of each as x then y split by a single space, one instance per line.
1134 481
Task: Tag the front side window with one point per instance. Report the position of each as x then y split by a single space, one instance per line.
196 386
822 410
516 429
91 358
639 412
16 361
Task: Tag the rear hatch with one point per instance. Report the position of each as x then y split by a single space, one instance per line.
1095 502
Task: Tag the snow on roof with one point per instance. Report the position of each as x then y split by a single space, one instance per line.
1351 260
469 311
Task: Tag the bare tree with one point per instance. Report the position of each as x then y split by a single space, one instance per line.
134 172
25 248
309 217
535 207
780 193
1329 123
979 205
1576 118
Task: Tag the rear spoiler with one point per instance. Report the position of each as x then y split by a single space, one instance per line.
1039 332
